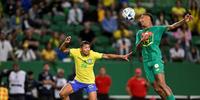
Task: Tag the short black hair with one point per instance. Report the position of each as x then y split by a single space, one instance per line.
150 15
84 43
30 73
15 64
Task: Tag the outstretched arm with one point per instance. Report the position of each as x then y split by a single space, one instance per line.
187 18
115 56
64 46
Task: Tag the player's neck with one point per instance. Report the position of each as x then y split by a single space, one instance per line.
84 54
138 77
146 27
102 75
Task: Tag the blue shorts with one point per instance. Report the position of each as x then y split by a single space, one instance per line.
78 85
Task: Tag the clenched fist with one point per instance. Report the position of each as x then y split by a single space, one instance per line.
68 39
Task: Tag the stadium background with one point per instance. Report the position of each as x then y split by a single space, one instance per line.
181 76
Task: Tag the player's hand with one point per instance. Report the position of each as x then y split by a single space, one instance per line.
145 36
188 18
125 57
68 39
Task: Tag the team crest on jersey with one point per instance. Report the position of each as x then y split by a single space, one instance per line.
149 41
156 65
89 61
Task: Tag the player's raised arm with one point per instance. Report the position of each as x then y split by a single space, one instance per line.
187 18
64 46
115 56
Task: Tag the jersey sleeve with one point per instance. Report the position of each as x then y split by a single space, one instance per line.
97 55
162 29
138 37
72 52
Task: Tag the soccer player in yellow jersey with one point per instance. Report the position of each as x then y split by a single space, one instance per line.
84 62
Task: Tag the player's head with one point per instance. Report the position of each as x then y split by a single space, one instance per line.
102 71
138 72
177 46
48 46
146 20
138 3
30 74
60 72
87 25
46 67
193 50
178 3
2 36
85 48
75 6
15 67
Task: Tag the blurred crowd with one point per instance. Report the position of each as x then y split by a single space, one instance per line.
33 29
25 85
22 85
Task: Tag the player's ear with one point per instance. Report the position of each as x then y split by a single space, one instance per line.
139 24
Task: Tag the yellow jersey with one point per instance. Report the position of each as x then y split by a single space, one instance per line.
48 55
3 93
108 3
84 65
139 11
179 11
101 13
118 34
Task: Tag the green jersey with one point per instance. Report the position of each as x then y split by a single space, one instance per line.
150 47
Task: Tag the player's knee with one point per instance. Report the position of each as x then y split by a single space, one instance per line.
62 94
65 91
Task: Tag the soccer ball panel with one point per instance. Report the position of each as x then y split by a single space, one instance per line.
128 13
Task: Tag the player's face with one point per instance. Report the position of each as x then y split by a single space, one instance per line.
2 36
145 21
102 71
46 67
30 76
85 49
61 74
138 74
16 68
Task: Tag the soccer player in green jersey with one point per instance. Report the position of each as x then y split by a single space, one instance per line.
149 40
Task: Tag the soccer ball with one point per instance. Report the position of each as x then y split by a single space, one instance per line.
128 13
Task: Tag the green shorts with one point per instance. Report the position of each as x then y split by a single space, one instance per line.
152 68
